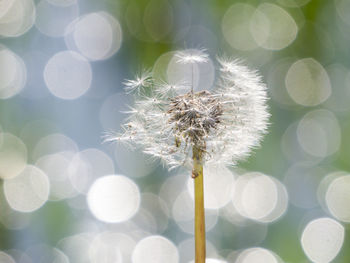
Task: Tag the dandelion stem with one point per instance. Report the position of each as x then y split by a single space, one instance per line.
199 219
192 78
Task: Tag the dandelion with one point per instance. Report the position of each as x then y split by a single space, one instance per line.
184 127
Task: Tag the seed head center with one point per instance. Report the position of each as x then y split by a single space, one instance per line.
194 115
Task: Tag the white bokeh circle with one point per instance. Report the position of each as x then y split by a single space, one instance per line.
338 198
68 75
307 82
322 239
155 249
218 186
113 198
13 73
28 191
97 36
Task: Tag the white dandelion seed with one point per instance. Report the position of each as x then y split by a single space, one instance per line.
191 56
144 80
224 124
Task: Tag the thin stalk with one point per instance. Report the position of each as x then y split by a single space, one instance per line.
199 219
192 78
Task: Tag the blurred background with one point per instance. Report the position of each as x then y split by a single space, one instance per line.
62 67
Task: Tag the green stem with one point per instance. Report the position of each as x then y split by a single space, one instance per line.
199 219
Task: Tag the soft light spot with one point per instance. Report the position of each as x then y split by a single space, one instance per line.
322 239
28 191
308 83
16 17
319 133
96 36
68 75
260 197
257 254
113 198
218 186
338 198
13 156
323 187
5 258
53 19
272 27
155 249
235 26
13 73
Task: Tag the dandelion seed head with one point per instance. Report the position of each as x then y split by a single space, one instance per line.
225 123
193 116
